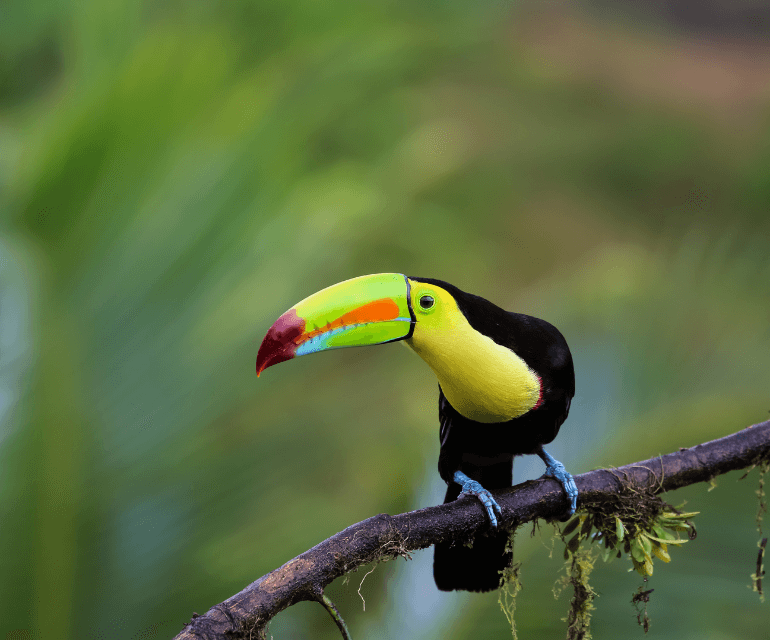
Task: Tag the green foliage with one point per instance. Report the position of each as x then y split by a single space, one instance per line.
635 522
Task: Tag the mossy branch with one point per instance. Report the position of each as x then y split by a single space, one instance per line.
246 614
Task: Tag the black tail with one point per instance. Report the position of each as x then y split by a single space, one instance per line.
476 568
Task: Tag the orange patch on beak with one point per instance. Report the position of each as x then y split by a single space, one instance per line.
377 311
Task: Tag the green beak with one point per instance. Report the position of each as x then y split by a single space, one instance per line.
367 310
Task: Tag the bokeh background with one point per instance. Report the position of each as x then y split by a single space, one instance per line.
174 175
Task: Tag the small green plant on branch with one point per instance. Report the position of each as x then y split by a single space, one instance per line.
634 522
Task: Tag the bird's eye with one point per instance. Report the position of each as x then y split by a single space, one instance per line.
426 302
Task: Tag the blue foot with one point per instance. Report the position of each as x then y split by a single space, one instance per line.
473 488
555 469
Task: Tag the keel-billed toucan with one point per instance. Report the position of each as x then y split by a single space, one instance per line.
505 385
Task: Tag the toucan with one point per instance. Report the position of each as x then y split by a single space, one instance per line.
506 381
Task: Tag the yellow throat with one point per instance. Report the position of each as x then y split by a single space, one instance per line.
482 380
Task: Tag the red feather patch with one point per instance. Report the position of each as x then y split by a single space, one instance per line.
539 393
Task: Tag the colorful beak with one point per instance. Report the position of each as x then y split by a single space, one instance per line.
367 310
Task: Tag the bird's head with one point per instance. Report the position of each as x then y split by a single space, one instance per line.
374 309
466 340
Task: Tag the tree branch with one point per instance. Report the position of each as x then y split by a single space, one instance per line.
246 614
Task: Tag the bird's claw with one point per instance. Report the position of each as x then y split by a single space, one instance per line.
555 469
473 488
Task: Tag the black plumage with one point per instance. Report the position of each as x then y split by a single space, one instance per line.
485 452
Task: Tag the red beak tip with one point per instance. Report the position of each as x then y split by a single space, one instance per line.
280 343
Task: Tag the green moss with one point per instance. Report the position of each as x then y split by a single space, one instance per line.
506 597
577 572
756 577
510 585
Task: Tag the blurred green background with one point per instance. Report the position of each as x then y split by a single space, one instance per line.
174 175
